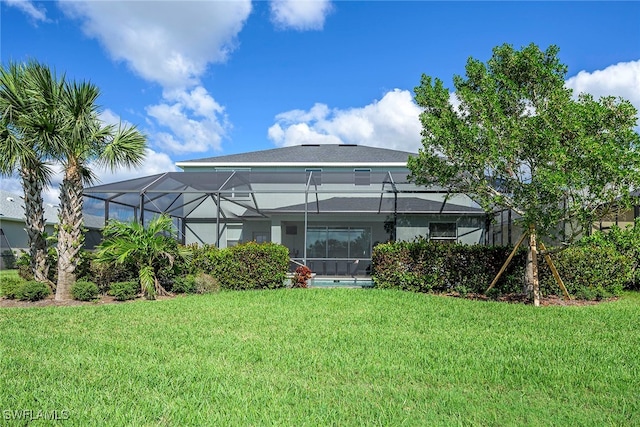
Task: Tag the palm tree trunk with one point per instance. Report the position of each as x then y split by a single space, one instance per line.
35 224
70 231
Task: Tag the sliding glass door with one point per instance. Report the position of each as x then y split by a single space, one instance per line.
339 242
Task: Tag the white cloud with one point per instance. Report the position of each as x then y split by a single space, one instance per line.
392 122
300 15
622 79
197 123
168 42
171 43
37 14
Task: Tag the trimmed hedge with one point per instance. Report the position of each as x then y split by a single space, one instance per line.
251 266
588 272
424 266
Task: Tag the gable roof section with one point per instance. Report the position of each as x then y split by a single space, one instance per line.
308 155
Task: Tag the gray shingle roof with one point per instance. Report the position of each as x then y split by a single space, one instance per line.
312 153
12 207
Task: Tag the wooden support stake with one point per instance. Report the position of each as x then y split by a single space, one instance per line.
506 263
555 273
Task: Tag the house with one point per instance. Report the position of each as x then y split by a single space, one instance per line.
13 236
329 204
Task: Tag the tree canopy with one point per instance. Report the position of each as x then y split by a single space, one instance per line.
514 137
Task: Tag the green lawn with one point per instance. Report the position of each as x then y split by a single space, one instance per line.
322 357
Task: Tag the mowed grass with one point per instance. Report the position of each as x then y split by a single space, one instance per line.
323 357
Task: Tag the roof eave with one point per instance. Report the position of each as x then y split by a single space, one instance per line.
290 164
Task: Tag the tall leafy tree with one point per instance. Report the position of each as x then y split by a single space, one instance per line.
149 248
87 143
29 125
516 138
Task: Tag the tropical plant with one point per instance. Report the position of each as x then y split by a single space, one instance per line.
148 247
29 124
301 276
517 139
88 143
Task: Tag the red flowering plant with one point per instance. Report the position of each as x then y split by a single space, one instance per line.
301 276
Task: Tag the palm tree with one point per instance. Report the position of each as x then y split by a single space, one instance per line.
30 122
146 247
88 142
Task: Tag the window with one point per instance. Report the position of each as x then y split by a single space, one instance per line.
443 231
362 176
316 176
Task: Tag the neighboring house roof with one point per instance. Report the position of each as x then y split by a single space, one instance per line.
308 155
12 207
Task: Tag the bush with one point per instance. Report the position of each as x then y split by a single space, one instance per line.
10 285
123 291
301 276
103 274
252 266
588 272
32 291
24 266
424 266
84 291
198 259
626 241
200 283
184 285
206 284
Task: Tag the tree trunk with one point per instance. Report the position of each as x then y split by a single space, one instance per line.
35 225
532 282
70 231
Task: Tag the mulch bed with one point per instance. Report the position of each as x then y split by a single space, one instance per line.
51 302
523 299
508 298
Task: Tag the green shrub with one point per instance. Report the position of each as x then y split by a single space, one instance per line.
24 266
123 291
424 266
626 241
10 285
252 266
32 291
588 272
198 259
103 274
184 285
84 290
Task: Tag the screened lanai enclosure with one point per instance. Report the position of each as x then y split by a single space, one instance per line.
328 220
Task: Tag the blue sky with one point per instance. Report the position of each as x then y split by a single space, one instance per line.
207 78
